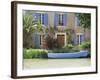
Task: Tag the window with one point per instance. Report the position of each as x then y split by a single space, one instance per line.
40 39
41 18
61 19
79 39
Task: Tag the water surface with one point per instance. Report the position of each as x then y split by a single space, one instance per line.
55 63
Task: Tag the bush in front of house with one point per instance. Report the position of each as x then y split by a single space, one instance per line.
34 53
52 42
69 46
63 50
27 54
58 51
86 46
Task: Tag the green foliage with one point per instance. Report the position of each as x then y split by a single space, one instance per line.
27 54
51 31
62 50
85 20
28 22
34 53
77 47
69 46
86 46
70 35
30 27
52 42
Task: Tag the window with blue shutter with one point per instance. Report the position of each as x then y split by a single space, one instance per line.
64 19
60 19
80 38
56 19
42 18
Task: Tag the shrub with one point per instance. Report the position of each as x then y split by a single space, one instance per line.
44 54
52 42
62 50
86 46
77 47
34 53
27 54
69 46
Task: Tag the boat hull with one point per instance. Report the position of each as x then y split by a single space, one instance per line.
83 54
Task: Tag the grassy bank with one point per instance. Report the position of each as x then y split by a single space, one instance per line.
34 53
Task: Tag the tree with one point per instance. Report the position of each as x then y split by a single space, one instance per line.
30 27
28 22
51 31
51 40
85 20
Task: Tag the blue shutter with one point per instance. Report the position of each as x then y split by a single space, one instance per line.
36 40
75 40
56 19
77 22
45 18
83 37
65 19
37 16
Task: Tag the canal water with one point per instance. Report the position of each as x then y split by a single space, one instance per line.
55 63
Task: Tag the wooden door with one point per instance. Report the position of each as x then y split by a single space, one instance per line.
61 40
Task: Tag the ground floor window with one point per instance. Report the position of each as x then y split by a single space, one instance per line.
79 38
40 39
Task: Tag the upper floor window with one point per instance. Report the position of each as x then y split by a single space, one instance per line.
42 18
61 19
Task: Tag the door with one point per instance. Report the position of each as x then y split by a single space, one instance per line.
61 40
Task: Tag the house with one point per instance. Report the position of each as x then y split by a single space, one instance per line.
62 21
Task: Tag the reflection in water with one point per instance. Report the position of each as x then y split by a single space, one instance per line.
55 63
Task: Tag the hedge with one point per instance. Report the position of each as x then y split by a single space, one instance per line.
34 53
